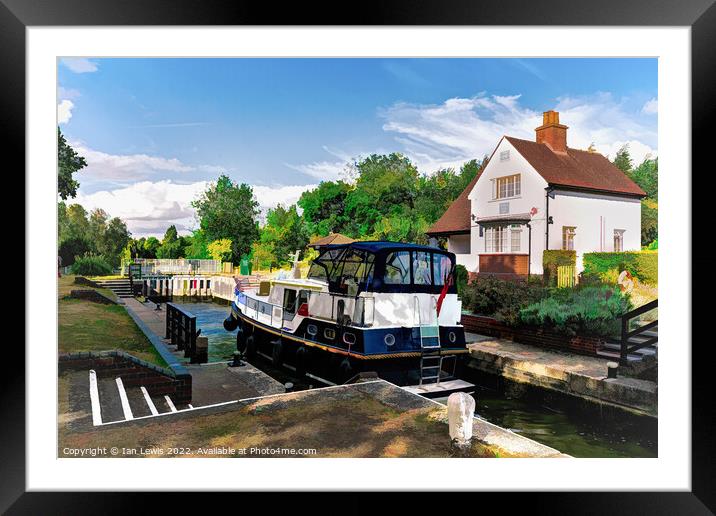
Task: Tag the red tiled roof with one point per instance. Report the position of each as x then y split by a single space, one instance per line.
576 169
456 218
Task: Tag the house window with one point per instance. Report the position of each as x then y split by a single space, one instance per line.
618 240
515 239
568 233
508 186
505 155
495 240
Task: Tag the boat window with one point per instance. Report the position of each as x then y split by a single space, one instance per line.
323 266
421 268
397 268
289 301
441 268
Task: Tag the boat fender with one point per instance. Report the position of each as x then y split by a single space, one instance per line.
250 347
346 370
300 361
240 341
277 353
231 323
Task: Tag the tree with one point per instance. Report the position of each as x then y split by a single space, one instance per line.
623 160
97 224
68 162
198 248
73 248
220 249
170 247
73 223
324 207
646 176
229 210
114 239
284 232
649 221
150 247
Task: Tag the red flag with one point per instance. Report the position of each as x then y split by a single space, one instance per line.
444 291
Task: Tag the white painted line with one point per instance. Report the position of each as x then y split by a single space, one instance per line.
170 403
255 398
190 405
125 402
94 398
149 401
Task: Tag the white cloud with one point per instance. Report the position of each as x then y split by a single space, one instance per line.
67 93
132 167
64 111
149 208
651 107
321 170
459 129
79 64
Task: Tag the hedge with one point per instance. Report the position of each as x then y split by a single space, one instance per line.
643 265
553 258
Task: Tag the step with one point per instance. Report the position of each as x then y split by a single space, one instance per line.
616 356
109 400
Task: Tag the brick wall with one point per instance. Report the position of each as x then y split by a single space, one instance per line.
133 371
535 336
510 264
92 295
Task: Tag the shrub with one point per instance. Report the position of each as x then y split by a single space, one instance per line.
71 248
501 299
91 266
592 310
551 259
461 277
641 264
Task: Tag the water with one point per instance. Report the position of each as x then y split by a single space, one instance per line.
572 426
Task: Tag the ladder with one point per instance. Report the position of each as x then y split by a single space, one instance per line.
431 361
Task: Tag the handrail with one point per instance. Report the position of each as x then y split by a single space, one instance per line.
181 329
626 334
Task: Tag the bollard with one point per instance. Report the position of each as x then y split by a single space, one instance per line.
201 351
612 368
237 360
288 386
461 409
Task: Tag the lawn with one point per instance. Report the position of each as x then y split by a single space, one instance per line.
87 326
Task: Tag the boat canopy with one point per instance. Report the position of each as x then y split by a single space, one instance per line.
380 266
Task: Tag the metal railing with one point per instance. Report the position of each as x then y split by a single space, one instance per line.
181 329
153 266
627 345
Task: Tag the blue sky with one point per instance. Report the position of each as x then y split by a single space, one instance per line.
155 131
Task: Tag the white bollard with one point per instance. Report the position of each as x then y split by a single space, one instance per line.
461 409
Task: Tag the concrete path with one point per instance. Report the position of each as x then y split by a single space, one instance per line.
573 374
211 383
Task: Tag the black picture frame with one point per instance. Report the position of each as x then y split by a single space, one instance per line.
700 15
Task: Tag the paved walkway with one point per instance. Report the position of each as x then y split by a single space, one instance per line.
578 375
211 383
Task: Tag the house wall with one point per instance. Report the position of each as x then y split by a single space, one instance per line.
532 196
595 218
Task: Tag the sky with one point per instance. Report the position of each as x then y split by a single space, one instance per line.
155 132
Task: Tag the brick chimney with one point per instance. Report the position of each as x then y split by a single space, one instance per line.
552 133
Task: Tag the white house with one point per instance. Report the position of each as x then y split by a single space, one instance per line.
537 195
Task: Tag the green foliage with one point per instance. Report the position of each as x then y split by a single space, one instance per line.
113 239
643 265
653 245
170 247
501 299
324 207
220 249
592 310
71 248
284 233
197 250
461 278
622 159
649 221
553 258
91 266
646 176
68 162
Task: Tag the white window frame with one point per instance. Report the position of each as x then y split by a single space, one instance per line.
568 243
619 237
515 238
507 187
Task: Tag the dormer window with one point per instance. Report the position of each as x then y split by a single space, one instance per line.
508 186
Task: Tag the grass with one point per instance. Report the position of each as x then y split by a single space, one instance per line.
87 326
350 425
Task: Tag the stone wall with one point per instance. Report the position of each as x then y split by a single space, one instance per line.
133 371
534 336
93 296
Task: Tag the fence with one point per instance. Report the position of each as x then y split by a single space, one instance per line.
155 266
566 276
181 330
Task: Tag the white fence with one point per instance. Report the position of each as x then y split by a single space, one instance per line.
152 266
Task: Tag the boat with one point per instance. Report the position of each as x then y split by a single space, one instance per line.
383 307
